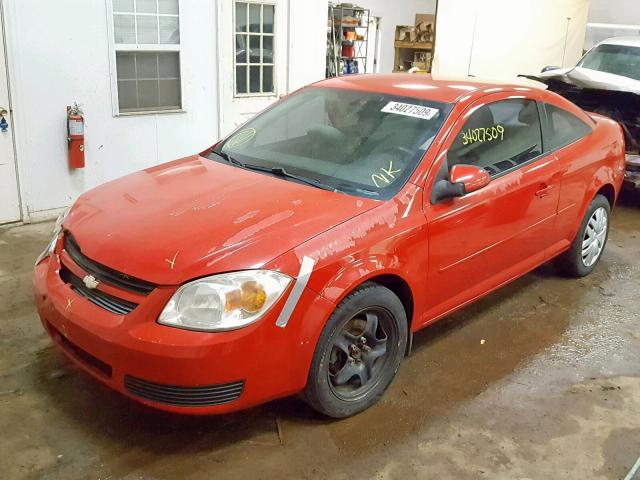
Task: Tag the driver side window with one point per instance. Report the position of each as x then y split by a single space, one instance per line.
499 137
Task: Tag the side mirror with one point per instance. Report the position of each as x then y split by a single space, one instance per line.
550 67
471 177
463 179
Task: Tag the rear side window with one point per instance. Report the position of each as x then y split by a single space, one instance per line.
499 136
564 128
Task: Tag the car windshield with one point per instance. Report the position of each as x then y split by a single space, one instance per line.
618 59
362 143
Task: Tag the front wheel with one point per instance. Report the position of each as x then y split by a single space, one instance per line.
358 353
585 252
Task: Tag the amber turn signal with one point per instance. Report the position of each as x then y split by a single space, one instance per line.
251 297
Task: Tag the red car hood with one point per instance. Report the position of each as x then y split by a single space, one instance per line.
195 217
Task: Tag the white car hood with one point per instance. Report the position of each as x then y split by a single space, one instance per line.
587 78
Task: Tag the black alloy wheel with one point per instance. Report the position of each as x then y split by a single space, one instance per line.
358 352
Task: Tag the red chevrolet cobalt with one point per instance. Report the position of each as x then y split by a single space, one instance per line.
301 253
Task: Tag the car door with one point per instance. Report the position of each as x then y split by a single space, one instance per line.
485 238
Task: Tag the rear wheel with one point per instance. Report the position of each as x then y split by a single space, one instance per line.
586 250
358 353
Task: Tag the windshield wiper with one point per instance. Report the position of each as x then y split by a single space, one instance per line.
281 172
363 191
229 158
278 171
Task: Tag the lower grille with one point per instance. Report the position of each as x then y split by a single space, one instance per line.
203 396
103 300
82 355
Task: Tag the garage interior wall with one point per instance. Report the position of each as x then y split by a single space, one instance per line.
606 22
394 13
59 53
500 39
50 69
624 12
307 42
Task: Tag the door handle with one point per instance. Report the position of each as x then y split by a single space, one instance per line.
543 192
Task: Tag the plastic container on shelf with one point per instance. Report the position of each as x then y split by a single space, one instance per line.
350 67
347 50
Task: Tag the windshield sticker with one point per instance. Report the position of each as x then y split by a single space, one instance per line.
410 110
241 138
385 176
488 134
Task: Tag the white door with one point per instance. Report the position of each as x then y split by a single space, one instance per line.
9 197
252 50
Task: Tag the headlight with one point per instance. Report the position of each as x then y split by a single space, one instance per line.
57 230
224 302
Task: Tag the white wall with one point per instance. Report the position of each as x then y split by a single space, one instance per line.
394 12
307 41
59 54
625 12
499 39
612 18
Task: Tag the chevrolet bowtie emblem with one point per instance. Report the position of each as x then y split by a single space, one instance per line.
90 282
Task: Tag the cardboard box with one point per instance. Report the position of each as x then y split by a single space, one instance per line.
421 60
421 57
406 33
425 25
425 17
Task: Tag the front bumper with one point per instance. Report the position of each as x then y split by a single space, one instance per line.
179 370
632 173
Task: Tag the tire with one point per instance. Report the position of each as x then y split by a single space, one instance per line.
574 262
337 385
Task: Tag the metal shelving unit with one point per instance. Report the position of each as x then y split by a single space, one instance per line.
345 55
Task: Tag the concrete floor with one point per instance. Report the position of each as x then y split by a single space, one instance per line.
553 392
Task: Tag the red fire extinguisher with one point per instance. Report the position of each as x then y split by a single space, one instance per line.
75 136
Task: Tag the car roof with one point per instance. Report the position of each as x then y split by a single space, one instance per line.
417 85
630 41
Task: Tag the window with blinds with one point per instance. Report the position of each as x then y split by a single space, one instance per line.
147 53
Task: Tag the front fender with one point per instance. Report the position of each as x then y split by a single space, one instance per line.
391 239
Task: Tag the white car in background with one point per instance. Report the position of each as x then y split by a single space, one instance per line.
606 80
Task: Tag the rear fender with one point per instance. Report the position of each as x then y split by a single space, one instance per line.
603 176
610 170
